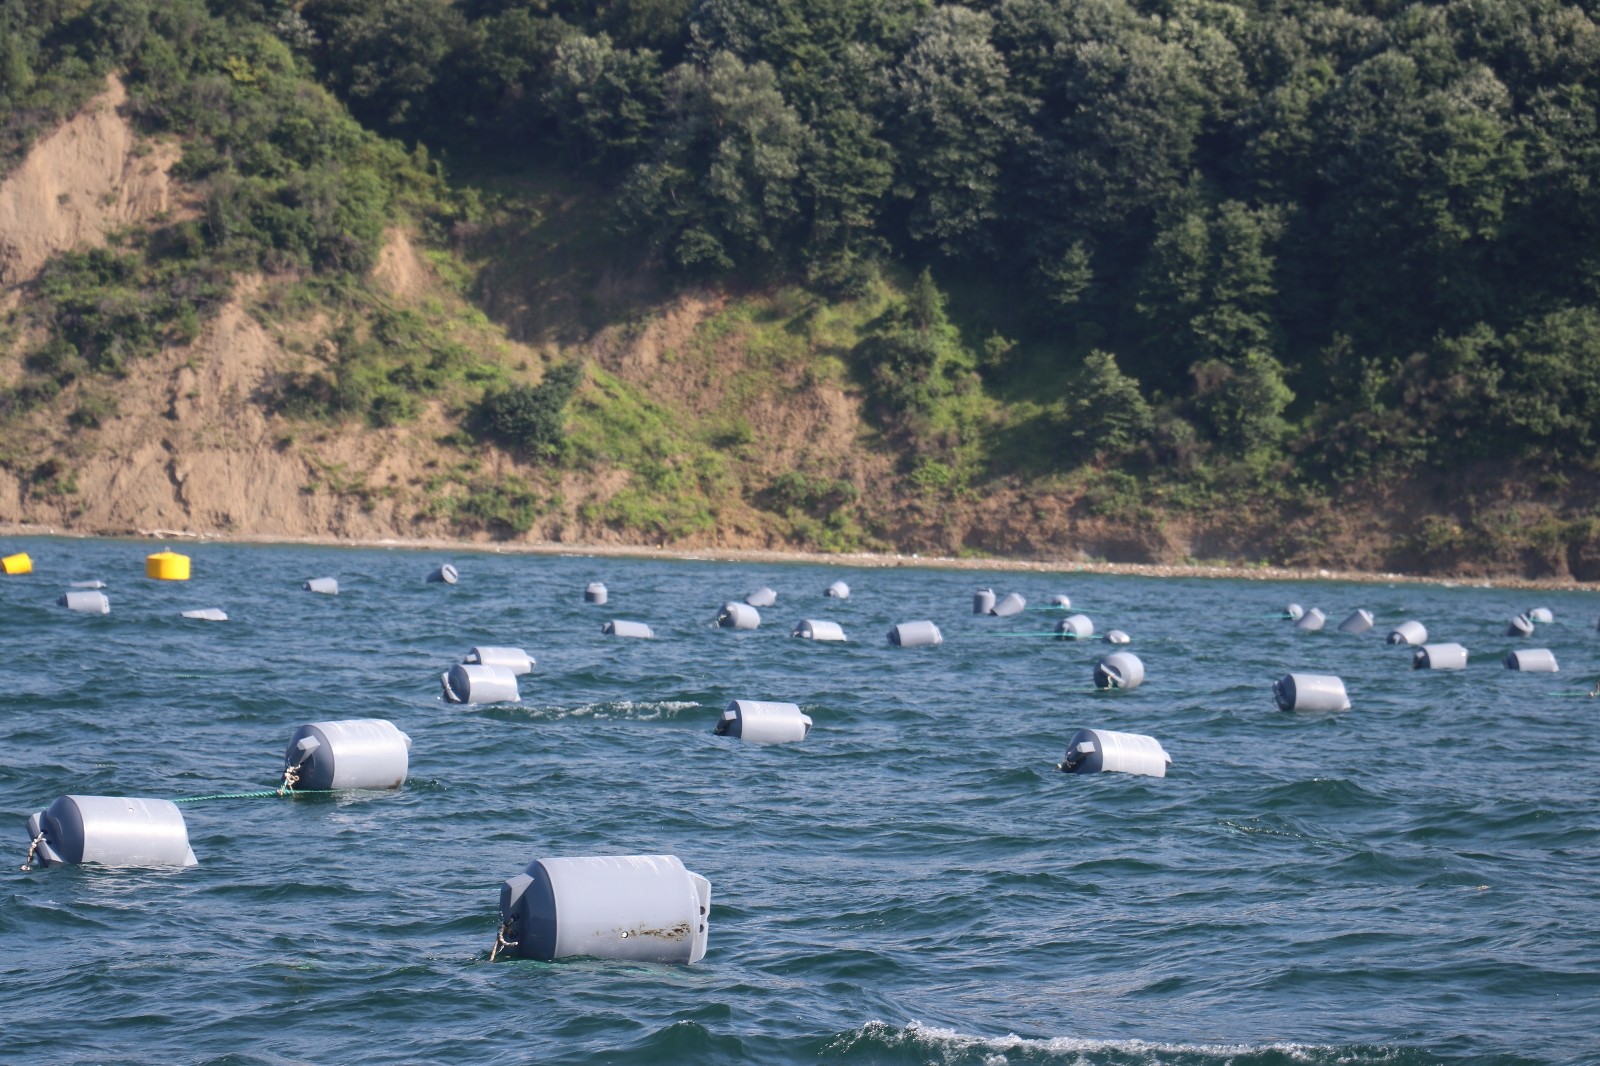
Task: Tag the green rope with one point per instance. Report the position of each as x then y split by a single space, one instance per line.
261 795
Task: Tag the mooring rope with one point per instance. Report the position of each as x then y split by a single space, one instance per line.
261 795
33 847
500 941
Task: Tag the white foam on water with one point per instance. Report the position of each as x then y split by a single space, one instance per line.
950 1045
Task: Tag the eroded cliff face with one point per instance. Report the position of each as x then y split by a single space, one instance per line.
88 176
190 441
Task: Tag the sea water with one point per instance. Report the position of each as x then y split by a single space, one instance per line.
1414 881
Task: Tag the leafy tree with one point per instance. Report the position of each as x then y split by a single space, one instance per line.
531 417
956 120
723 187
604 100
1106 413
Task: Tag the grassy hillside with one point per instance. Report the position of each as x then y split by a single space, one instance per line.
317 328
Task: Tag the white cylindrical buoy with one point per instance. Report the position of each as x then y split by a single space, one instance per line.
1063 602
915 635
514 659
328 586
111 831
474 683
1439 657
1293 612
1311 621
1541 614
1310 692
1013 603
738 616
595 592
355 753
86 584
812 629
1409 633
638 908
88 601
1359 622
763 722
762 597
445 575
1117 636
1103 750
208 614
983 601
1533 661
618 628
1520 626
838 591
1120 669
1075 627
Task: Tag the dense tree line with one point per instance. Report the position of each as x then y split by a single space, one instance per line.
1366 232
1374 224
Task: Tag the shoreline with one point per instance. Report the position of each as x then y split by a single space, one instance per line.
857 559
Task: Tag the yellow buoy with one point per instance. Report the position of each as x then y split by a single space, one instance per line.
167 566
18 563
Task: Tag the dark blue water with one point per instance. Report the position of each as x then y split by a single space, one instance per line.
1415 881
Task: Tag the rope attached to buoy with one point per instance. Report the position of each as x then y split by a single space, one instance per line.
500 941
264 794
33 847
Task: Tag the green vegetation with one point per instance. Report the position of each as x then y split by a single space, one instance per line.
531 417
1169 255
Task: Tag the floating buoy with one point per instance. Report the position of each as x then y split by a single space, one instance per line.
17 564
838 590
86 585
1520 626
1409 633
207 614
618 628
1359 622
328 586
1293 612
639 908
445 575
1103 750
1533 661
1117 636
1311 621
763 722
514 659
594 592
738 616
1013 603
762 597
470 683
167 566
1074 627
355 753
1310 692
1439 657
1541 614
1058 600
86 600
983 601
111 831
915 635
1120 669
812 629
